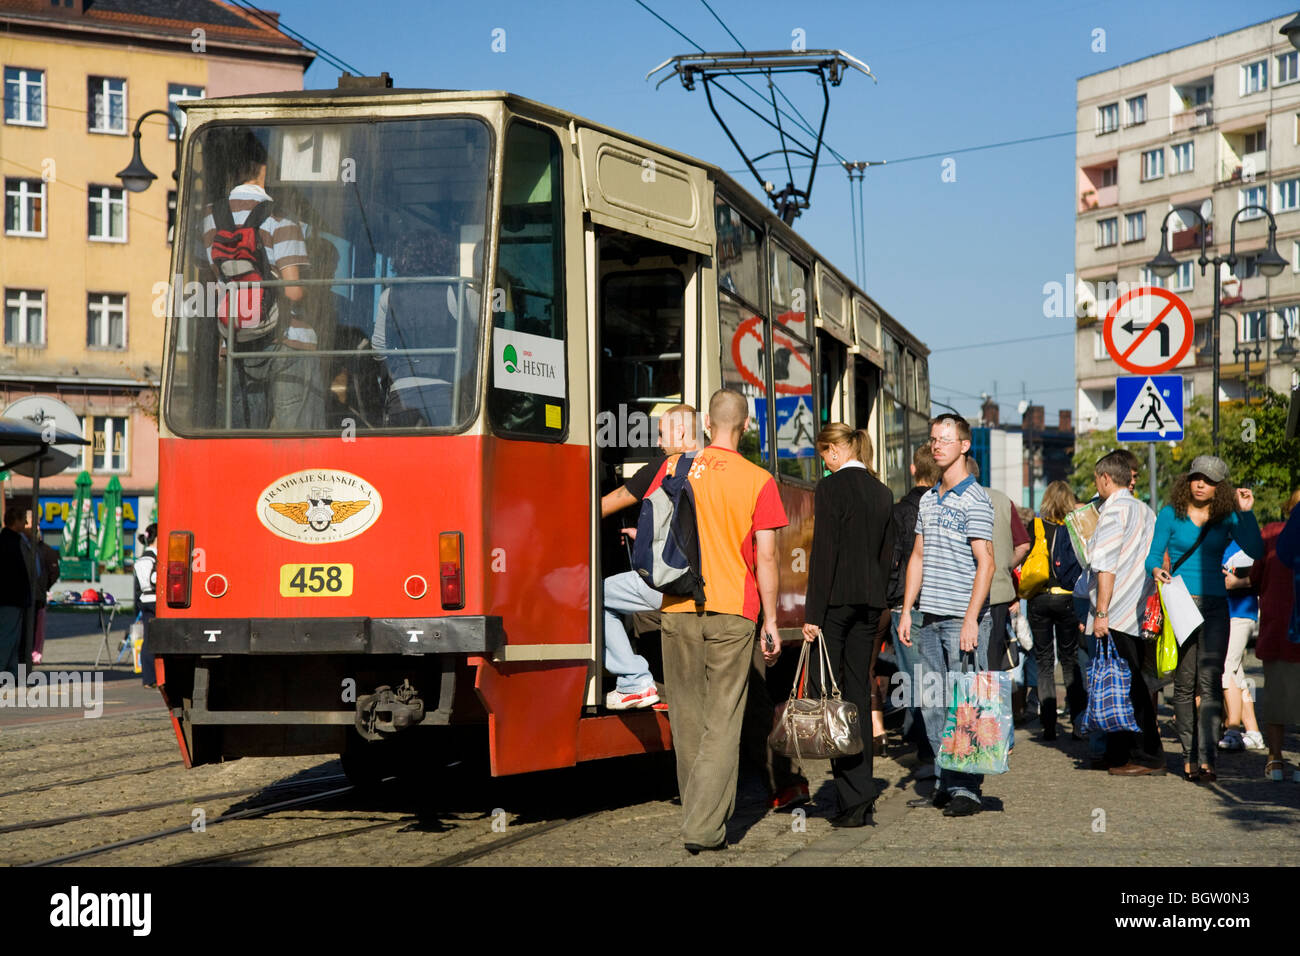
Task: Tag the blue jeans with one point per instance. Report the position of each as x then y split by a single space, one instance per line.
626 593
906 659
938 642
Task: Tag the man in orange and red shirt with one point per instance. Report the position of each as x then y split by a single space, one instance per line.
707 647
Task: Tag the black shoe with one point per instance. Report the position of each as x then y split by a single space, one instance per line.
1049 733
696 848
939 799
962 806
859 816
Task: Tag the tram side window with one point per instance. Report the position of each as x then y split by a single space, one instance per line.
743 329
792 371
528 397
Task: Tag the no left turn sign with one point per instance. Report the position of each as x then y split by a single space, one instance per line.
1148 330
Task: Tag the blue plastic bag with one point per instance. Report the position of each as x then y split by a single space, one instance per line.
1110 708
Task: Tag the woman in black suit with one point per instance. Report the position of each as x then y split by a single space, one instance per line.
853 546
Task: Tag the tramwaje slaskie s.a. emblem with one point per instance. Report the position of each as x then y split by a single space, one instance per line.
319 506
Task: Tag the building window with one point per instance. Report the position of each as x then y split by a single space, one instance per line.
1183 155
1288 68
1286 323
1252 326
107 213
1251 196
1254 77
1153 164
24 317
1147 277
1109 176
1246 266
106 321
1107 232
106 105
1098 346
1135 226
1295 255
176 93
1288 195
1137 110
171 216
24 207
109 444
24 96
1184 277
1107 118
1256 141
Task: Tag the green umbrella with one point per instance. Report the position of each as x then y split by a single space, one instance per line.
79 532
110 528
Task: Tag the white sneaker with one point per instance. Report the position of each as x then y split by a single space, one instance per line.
1253 740
642 698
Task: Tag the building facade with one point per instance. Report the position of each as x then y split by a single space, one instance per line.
1214 125
80 257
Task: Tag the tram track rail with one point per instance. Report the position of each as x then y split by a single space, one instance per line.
40 788
157 805
249 813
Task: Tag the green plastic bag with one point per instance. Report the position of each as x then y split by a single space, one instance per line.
1167 645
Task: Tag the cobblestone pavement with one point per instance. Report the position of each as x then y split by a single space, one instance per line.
1047 811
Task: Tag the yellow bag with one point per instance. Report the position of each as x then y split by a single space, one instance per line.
1035 572
1167 645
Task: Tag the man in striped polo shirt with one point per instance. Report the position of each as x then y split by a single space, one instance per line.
951 568
282 394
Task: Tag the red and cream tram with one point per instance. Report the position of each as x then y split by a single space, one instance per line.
379 500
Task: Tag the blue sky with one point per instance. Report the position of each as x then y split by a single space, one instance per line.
960 263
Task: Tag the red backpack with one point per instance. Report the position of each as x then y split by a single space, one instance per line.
240 260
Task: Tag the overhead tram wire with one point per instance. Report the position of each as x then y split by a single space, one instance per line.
337 62
803 123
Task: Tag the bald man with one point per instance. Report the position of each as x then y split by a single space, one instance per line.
707 647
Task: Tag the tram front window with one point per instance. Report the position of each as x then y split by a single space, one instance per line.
331 277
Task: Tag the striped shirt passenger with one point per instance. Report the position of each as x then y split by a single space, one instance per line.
281 238
1119 546
947 523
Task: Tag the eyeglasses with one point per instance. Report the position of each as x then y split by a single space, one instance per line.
944 442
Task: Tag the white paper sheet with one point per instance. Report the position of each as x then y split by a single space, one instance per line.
1184 616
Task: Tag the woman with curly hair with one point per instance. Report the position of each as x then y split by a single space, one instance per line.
1192 532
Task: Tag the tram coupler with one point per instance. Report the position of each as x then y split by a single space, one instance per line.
388 711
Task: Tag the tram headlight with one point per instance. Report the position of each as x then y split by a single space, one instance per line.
180 545
451 577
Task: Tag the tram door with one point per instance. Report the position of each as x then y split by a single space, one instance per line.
641 324
866 388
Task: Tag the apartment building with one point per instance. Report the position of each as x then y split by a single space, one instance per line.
1214 125
79 256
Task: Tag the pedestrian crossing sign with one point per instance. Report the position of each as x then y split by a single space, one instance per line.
1150 408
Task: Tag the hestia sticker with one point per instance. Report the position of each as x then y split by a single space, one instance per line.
528 363
320 506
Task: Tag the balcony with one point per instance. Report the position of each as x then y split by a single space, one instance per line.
1244 170
1098 197
1235 291
1185 239
1193 119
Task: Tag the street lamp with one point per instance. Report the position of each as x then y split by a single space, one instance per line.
137 177
1270 264
1291 30
1243 353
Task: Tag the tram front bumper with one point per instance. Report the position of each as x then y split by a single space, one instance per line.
415 636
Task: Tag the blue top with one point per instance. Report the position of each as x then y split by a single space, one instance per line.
1241 602
1202 576
948 522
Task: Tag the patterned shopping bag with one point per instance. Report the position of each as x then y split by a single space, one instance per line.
1110 708
978 734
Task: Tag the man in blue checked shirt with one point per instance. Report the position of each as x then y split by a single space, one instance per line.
951 568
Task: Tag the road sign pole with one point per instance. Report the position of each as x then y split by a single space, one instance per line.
1151 473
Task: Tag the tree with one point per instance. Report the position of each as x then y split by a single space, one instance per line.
1252 444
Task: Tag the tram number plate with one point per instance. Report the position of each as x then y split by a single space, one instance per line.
315 580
